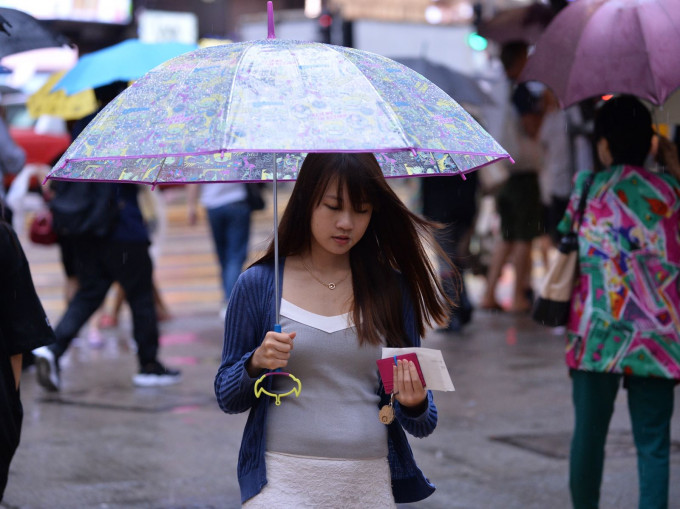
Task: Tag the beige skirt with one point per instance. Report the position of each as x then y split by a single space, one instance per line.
301 481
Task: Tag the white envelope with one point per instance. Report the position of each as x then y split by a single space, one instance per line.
432 364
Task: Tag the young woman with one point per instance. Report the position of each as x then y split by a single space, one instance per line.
354 277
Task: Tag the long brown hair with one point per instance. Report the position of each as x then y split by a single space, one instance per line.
393 243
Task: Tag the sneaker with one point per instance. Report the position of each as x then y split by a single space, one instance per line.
155 374
47 368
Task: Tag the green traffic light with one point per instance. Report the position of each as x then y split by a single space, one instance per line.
477 42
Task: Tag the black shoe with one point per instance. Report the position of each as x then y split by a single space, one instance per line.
154 374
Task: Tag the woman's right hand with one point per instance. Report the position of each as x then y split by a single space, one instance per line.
273 353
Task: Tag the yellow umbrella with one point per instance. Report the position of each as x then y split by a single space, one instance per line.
58 104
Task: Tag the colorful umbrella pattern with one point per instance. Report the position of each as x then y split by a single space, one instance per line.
224 113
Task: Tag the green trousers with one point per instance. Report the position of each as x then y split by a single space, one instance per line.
650 403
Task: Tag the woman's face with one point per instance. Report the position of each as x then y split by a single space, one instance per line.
336 226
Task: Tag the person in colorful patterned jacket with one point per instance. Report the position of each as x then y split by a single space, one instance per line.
625 308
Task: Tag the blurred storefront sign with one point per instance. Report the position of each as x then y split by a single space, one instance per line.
166 26
407 11
96 11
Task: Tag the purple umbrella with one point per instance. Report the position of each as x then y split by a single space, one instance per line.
597 47
517 24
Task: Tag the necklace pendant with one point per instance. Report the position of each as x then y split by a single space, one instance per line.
331 286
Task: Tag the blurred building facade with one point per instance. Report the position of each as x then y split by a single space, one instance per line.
215 18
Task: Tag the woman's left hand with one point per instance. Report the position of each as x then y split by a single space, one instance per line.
408 389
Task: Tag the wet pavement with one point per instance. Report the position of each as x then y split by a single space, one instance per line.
502 440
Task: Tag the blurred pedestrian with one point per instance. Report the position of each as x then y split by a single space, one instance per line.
229 217
625 307
518 200
566 150
110 243
453 202
23 327
153 214
115 249
67 253
12 160
355 277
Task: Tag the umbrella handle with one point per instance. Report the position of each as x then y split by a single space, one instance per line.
277 328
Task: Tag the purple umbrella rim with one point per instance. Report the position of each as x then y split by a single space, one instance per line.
288 151
413 150
180 181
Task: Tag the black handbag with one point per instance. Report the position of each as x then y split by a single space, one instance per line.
254 196
552 305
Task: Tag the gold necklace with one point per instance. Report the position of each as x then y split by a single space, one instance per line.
330 286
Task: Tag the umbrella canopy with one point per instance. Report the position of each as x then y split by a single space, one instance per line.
596 47
6 89
517 24
22 32
56 103
222 113
125 61
463 88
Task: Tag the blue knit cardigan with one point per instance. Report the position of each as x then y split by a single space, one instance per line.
250 315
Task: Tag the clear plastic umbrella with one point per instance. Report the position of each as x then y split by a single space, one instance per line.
251 111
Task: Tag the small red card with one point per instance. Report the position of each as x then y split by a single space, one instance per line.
385 367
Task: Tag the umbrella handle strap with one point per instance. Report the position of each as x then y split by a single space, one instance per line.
259 390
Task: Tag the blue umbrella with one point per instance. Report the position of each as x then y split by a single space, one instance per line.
125 61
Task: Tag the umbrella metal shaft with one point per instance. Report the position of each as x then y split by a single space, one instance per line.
277 326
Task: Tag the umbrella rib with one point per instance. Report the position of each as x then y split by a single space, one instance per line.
387 108
663 96
158 174
227 132
649 62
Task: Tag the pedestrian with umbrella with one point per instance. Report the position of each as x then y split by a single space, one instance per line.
255 111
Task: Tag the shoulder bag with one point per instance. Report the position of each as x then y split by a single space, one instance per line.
552 305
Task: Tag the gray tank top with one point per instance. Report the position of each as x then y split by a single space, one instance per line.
336 414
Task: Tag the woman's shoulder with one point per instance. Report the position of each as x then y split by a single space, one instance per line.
260 273
582 176
661 181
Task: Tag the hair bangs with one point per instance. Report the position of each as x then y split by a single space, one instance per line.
361 175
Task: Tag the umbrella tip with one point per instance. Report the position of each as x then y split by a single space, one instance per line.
270 21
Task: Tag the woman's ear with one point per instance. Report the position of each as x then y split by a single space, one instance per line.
604 153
